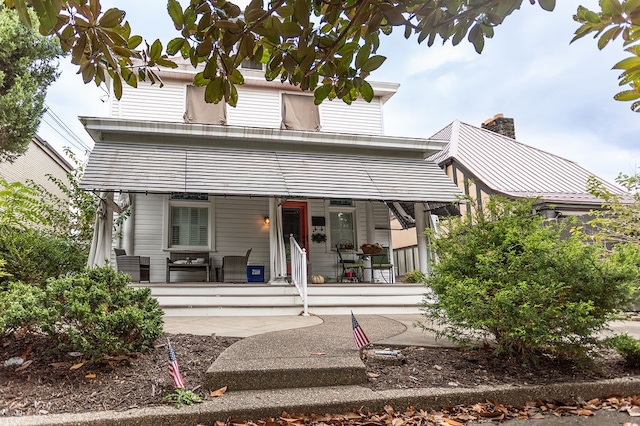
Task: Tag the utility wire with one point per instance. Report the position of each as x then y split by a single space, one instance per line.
66 129
71 141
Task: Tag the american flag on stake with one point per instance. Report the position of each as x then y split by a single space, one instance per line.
174 370
360 338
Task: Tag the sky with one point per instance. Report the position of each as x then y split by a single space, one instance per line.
560 94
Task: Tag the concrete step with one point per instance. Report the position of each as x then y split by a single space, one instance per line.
257 374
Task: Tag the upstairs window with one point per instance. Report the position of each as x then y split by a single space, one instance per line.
200 112
251 64
299 113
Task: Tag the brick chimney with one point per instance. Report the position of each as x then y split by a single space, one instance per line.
501 125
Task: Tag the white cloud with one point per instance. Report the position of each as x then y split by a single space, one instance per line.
436 57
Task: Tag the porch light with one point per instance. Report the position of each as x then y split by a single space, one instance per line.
267 220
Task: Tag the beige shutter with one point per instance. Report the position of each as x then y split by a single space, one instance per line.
299 113
199 111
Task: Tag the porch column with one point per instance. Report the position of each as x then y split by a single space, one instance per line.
371 223
421 226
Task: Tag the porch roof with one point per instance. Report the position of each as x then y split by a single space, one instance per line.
222 171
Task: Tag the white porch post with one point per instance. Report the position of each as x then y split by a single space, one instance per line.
421 225
371 224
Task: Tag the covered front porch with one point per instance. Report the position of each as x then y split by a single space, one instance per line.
223 191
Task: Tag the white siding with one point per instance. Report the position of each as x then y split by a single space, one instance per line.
150 102
257 107
239 226
323 257
360 117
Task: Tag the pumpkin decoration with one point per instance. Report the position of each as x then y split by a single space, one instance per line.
317 279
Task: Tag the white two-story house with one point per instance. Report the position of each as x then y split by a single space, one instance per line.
222 180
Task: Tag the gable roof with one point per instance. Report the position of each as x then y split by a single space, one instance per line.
513 168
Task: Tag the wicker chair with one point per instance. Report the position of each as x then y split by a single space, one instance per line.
137 267
234 268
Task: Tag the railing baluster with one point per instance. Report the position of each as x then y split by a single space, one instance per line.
299 271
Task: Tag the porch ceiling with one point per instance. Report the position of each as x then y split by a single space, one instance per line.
166 169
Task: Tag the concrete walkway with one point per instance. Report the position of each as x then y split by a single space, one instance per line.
286 348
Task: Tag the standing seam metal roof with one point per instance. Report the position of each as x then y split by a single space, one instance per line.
171 168
513 168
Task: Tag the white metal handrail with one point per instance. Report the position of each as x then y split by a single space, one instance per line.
299 271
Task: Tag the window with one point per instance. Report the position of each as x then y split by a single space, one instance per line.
299 113
189 226
189 222
201 112
342 225
251 64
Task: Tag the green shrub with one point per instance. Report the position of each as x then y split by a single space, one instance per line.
34 255
626 346
415 276
20 308
505 277
98 314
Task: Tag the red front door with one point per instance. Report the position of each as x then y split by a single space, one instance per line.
294 222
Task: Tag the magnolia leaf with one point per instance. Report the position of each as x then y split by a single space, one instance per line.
627 95
111 18
373 63
218 392
611 7
76 366
90 376
366 91
134 41
175 11
156 50
58 364
547 5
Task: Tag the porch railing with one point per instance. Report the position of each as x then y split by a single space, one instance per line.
299 271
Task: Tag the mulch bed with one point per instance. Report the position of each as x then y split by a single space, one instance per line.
46 384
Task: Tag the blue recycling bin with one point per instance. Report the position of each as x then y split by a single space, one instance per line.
255 273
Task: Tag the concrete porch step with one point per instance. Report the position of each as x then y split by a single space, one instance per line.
216 299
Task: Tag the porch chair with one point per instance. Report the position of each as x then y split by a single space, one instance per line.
381 261
138 267
349 265
234 268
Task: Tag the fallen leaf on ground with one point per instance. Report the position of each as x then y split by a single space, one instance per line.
90 376
452 422
634 411
58 364
76 366
318 353
629 424
218 392
586 413
25 365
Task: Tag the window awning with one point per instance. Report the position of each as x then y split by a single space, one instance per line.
405 212
173 168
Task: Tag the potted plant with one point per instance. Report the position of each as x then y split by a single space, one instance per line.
318 237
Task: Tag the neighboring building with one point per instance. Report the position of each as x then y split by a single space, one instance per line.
35 164
205 177
487 161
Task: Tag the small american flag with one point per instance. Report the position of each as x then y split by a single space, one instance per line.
174 370
360 338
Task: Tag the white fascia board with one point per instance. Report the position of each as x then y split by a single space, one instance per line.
102 129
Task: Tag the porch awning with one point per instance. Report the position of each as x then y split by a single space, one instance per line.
166 169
